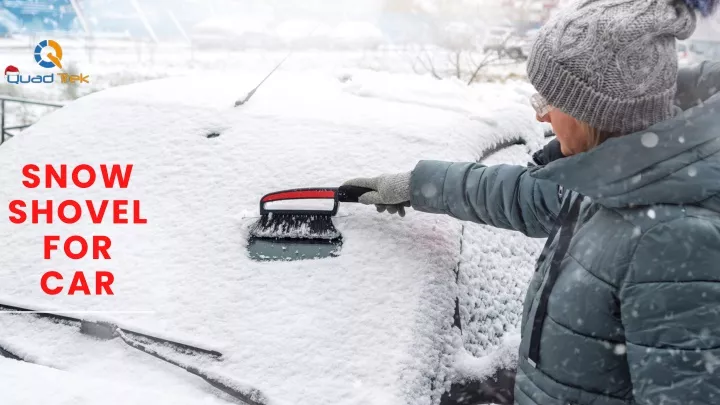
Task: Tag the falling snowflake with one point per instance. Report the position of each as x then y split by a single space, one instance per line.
428 190
711 362
649 139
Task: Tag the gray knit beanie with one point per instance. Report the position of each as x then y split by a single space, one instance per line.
613 63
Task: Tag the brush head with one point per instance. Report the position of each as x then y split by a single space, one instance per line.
295 226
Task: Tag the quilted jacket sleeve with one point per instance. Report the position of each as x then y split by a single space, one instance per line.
670 308
503 196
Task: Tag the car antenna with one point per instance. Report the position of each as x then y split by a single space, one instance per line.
240 102
250 94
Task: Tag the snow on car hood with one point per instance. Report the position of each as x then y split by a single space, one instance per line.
25 383
370 326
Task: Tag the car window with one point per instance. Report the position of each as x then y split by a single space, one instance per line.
707 49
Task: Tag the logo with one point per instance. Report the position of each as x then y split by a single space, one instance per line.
48 54
44 55
13 76
11 69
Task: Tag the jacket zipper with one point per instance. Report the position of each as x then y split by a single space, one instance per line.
567 218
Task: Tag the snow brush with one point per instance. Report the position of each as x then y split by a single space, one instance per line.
297 223
297 213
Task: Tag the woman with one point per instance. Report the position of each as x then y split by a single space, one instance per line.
624 306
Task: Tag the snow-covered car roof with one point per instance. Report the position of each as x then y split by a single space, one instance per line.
368 326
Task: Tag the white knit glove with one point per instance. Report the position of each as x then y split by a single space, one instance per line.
391 191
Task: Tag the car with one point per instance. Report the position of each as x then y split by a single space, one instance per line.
694 51
705 49
395 317
507 41
528 41
500 40
683 52
29 383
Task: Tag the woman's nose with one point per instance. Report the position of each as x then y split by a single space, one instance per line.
544 118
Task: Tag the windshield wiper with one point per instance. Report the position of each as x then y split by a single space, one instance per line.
141 341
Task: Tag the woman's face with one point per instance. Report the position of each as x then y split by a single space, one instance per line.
568 130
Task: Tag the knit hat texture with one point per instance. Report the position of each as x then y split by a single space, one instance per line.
613 63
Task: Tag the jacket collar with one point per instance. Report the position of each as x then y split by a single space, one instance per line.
676 161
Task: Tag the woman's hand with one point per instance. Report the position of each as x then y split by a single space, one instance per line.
391 192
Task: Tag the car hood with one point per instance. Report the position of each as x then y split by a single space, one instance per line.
369 324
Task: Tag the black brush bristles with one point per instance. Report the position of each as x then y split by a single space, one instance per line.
295 226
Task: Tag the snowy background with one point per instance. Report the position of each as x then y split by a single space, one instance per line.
127 41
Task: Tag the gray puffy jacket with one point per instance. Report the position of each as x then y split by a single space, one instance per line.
624 306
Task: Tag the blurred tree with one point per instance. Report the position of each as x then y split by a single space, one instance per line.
458 29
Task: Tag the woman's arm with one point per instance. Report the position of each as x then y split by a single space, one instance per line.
503 196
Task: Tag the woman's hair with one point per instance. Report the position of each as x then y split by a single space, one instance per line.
596 136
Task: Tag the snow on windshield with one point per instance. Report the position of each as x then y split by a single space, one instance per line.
372 323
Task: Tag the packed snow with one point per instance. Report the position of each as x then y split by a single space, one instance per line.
371 326
495 268
502 357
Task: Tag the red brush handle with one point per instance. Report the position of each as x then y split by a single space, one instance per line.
301 194
342 194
